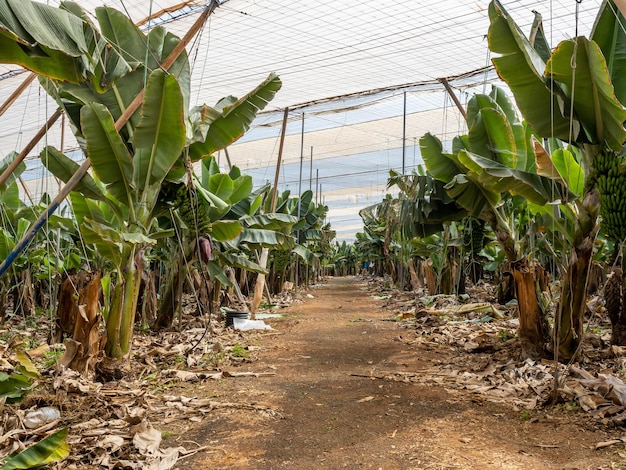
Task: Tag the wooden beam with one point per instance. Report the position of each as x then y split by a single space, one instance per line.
450 91
18 91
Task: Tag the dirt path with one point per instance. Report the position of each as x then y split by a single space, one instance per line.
333 416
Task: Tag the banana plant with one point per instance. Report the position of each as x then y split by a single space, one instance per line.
489 172
569 94
117 208
310 233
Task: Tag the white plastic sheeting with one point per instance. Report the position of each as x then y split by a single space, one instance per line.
346 66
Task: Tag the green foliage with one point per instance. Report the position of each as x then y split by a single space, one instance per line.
53 448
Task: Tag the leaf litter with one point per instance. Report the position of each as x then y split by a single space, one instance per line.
121 423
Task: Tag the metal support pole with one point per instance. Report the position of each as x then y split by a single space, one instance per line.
311 171
404 133
297 273
317 185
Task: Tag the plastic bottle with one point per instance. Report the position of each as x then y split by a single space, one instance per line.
37 418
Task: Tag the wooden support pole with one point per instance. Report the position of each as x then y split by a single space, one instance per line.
260 280
26 150
450 91
18 91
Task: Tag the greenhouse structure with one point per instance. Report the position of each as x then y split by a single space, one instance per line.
267 234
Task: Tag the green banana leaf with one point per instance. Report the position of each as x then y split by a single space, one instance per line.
53 448
64 168
499 178
609 33
240 261
303 252
570 170
234 118
216 272
522 68
7 243
83 207
474 197
107 152
602 116
44 39
218 207
123 35
242 187
272 221
108 241
160 135
13 387
256 238
225 230
537 38
222 186
4 163
10 198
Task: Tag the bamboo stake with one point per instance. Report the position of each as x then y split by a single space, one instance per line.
82 170
260 280
15 95
450 91
20 158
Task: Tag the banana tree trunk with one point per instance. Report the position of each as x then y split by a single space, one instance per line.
121 319
571 309
533 329
85 347
173 290
533 326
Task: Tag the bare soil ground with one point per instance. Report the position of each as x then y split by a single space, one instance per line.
320 400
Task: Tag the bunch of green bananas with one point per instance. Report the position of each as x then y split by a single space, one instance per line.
611 183
474 235
193 210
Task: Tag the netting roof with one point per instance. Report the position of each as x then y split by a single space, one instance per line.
361 78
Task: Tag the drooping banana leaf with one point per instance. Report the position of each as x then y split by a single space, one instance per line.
240 261
260 238
64 168
499 178
53 448
522 68
272 221
609 34
235 117
303 252
224 230
46 40
602 116
4 163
